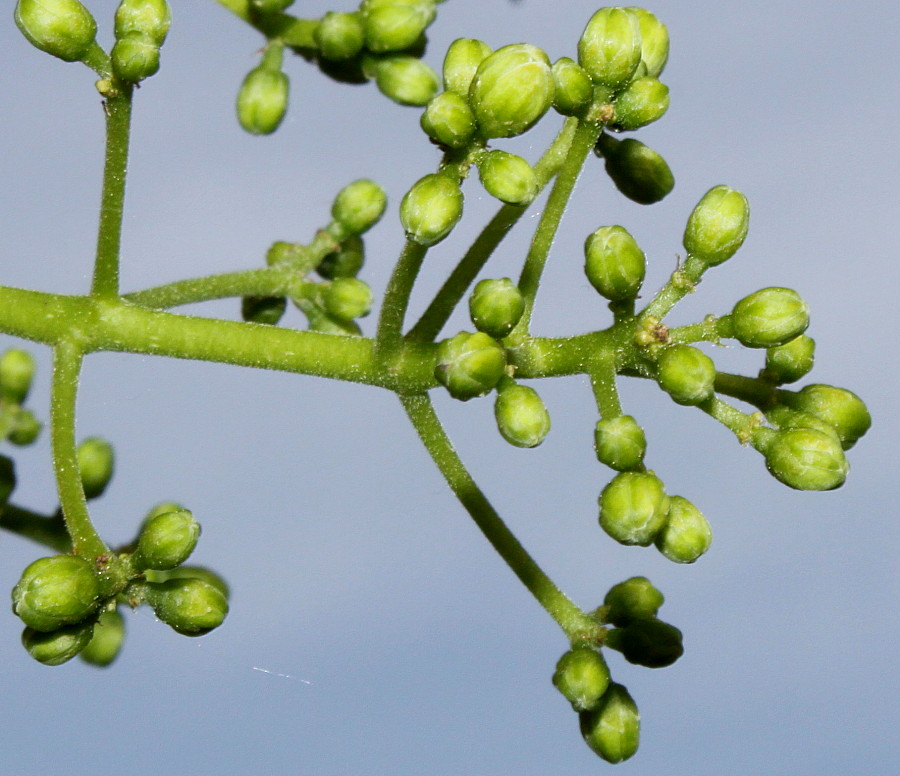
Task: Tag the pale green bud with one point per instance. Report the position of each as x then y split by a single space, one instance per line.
150 18
613 728
771 316
644 101
807 459
496 306
633 508
687 374
188 605
26 427
789 362
717 226
339 35
96 463
16 374
135 57
61 28
461 62
686 534
620 443
654 42
359 205
638 171
262 100
347 298
59 646
574 89
469 365
107 639
448 120
614 263
508 177
56 591
633 599
843 410
393 25
406 80
431 208
521 415
582 677
610 47
166 541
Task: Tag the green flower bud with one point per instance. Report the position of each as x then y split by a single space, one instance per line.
650 643
448 120
573 90
582 677
687 374
191 572
26 428
717 226
189 606
614 264
610 47
160 509
7 480
771 316
281 252
347 298
345 262
265 7
431 208
840 408
135 58
406 80
654 42
106 643
507 177
789 362
686 534
16 373
325 324
786 418
633 599
59 646
393 25
807 459
463 57
512 89
638 171
620 443
262 100
95 462
61 28
521 416
496 306
263 309
612 729
166 541
359 206
56 591
633 508
339 36
151 18
644 101
469 365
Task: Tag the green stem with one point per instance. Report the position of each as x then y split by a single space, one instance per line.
396 297
603 383
48 531
294 32
681 282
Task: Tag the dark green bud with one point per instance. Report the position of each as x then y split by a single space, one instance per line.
106 643
393 25
95 462
463 57
840 408
188 605
469 365
610 47
59 646
265 7
507 177
431 208
612 729
347 298
717 226
262 100
582 677
359 206
650 643
61 28
633 508
614 263
345 262
26 429
166 541
16 374
448 120
654 42
263 309
406 80
135 58
789 362
644 101
686 534
495 306
512 89
191 572
633 599
339 35
56 591
7 480
638 171
521 416
151 18
620 443
806 459
771 316
574 89
687 374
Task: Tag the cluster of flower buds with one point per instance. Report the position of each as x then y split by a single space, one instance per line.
18 425
141 27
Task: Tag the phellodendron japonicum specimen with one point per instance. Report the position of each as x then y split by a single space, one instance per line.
70 602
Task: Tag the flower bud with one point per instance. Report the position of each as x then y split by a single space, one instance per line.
654 42
614 264
633 599
687 374
686 534
771 316
717 226
325 324
521 416
26 427
262 100
263 309
61 28
633 508
135 58
448 120
840 408
166 540
610 47
106 643
507 177
573 88
189 606
346 262
461 62
393 25
784 418
512 89
644 101
347 298
496 306
151 18
469 365
7 480
431 208
59 646
160 509
16 373
650 643
95 462
359 206
638 171
56 591
620 443
612 729
191 572
406 80
265 7
582 677
807 459
789 362
339 36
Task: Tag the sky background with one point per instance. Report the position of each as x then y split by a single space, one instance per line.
373 630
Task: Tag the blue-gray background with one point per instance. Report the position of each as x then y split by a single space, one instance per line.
373 630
